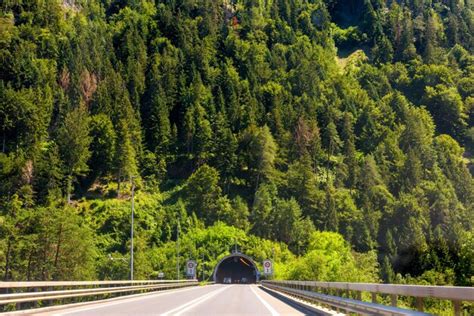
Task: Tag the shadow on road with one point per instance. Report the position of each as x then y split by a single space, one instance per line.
296 306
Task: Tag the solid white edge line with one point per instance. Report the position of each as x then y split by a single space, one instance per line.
125 300
268 306
193 303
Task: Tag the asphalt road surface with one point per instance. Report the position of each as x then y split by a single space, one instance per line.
216 299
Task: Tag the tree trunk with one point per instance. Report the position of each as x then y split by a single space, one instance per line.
28 272
58 247
227 185
327 164
256 186
45 258
68 189
118 185
7 261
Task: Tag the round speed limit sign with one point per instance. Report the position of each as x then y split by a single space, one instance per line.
191 268
267 267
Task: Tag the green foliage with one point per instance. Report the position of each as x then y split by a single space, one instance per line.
204 194
260 149
126 155
329 258
236 123
447 108
73 142
46 243
211 244
103 145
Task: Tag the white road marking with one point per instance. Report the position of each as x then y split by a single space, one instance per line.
185 307
268 306
124 301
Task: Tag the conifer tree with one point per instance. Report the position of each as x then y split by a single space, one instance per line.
126 156
412 172
103 145
73 141
204 193
224 149
332 223
350 158
262 210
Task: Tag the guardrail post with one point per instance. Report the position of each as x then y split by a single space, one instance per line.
49 302
457 308
393 299
419 304
35 303
374 298
359 295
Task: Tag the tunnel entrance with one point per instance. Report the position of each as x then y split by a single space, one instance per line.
236 268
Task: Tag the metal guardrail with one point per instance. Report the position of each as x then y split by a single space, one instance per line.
310 289
51 292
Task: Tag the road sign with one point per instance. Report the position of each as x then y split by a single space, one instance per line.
191 268
267 267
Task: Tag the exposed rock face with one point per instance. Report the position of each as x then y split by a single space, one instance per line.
229 10
71 5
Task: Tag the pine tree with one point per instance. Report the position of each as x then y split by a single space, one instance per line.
332 139
387 272
372 24
383 51
412 171
349 150
431 38
126 156
157 122
406 49
262 210
49 174
103 145
203 194
224 149
332 222
370 177
241 214
73 140
390 245
260 149
203 136
447 108
307 139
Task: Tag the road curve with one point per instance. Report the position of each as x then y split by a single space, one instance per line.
205 300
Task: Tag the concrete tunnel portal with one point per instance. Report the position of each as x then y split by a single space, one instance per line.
236 268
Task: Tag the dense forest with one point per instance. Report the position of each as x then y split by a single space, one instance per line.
333 136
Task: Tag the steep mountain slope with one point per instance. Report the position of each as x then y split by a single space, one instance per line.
238 112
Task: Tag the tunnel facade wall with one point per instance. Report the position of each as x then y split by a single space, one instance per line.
236 268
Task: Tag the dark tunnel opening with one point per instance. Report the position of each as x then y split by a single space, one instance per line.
236 269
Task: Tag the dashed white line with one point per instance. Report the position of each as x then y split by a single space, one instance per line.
183 308
125 300
268 306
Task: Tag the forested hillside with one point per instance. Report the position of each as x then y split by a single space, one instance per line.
282 118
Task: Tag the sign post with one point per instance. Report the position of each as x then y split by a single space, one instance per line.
267 267
191 269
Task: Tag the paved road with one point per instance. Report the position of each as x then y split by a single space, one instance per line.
205 300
